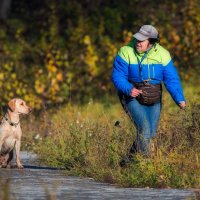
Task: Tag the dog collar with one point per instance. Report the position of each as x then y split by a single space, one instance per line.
10 122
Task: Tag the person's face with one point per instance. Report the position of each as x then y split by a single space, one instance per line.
142 46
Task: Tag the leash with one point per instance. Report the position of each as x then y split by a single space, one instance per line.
184 114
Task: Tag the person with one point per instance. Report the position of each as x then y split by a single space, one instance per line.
139 69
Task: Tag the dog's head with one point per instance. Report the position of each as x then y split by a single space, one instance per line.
18 106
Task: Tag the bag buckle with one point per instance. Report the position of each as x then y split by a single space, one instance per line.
146 82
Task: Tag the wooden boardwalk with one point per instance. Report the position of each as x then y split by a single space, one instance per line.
38 183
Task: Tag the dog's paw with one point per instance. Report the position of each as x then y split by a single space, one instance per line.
8 166
20 166
3 166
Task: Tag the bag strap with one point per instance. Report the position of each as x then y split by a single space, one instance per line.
140 65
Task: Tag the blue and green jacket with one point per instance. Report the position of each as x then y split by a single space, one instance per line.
157 67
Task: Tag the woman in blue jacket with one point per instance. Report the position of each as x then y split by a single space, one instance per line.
138 71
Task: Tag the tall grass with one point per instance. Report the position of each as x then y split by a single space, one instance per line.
85 140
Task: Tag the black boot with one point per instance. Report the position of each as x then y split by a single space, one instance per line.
134 148
130 157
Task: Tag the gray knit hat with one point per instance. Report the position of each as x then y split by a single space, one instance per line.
146 32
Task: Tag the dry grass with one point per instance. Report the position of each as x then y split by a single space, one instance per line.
85 140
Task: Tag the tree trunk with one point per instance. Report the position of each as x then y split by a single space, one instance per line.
4 8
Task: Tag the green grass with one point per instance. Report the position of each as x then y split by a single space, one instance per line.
84 140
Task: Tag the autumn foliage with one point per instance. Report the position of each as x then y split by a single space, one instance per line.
57 51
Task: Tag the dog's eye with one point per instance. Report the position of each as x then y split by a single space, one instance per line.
21 103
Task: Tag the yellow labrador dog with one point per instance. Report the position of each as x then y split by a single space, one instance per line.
10 132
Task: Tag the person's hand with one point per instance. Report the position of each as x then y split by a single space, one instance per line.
135 92
182 104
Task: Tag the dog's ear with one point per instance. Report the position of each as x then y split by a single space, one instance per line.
11 105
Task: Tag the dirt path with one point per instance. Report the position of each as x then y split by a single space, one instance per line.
36 182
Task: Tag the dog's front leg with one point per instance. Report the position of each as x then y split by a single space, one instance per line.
17 149
1 159
1 141
0 154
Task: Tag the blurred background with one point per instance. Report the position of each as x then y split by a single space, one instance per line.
56 51
58 54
